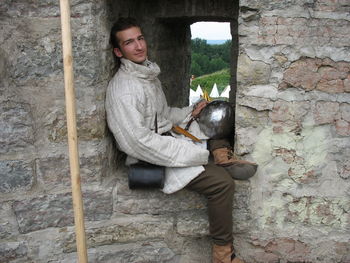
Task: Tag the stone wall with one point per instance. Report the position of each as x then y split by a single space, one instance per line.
292 117
36 216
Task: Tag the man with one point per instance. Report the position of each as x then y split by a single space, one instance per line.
134 98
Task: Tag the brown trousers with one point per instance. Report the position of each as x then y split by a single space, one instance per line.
218 187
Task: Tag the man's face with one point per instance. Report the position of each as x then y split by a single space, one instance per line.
132 45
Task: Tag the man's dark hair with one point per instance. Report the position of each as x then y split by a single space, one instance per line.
121 24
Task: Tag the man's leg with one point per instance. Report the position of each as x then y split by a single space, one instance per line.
217 185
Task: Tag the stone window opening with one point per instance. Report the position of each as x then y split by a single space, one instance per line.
170 47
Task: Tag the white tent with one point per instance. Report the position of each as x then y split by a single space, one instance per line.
192 93
199 91
193 96
226 92
214 91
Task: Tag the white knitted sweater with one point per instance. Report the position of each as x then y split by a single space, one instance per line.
134 96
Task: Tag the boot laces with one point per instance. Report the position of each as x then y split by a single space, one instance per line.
230 154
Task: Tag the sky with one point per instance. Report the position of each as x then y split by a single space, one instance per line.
211 30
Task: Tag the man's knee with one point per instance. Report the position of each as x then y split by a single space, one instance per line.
225 182
230 184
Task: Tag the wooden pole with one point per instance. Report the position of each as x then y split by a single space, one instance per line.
72 132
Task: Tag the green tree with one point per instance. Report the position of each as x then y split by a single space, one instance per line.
196 69
217 64
199 45
209 58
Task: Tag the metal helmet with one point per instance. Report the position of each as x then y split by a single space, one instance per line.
216 120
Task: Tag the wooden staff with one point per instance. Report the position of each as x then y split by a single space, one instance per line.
72 132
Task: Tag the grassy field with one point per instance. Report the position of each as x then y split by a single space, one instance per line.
221 78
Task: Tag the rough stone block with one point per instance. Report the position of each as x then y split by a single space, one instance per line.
147 252
331 6
332 251
45 245
300 174
8 224
242 220
24 8
241 208
5 229
281 112
4 69
331 86
249 117
288 116
294 250
326 112
344 169
241 195
56 210
342 127
293 95
186 250
251 72
278 30
289 111
319 211
32 45
280 249
262 91
16 175
41 56
11 251
154 202
342 124
193 224
345 111
259 104
195 250
314 73
286 249
342 250
299 171
16 131
54 171
347 84
264 257
245 140
123 229
151 251
89 127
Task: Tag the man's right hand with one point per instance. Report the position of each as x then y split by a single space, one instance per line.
199 107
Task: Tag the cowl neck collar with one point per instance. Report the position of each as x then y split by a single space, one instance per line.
147 70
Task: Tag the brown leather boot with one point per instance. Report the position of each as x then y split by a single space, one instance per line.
225 254
238 169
